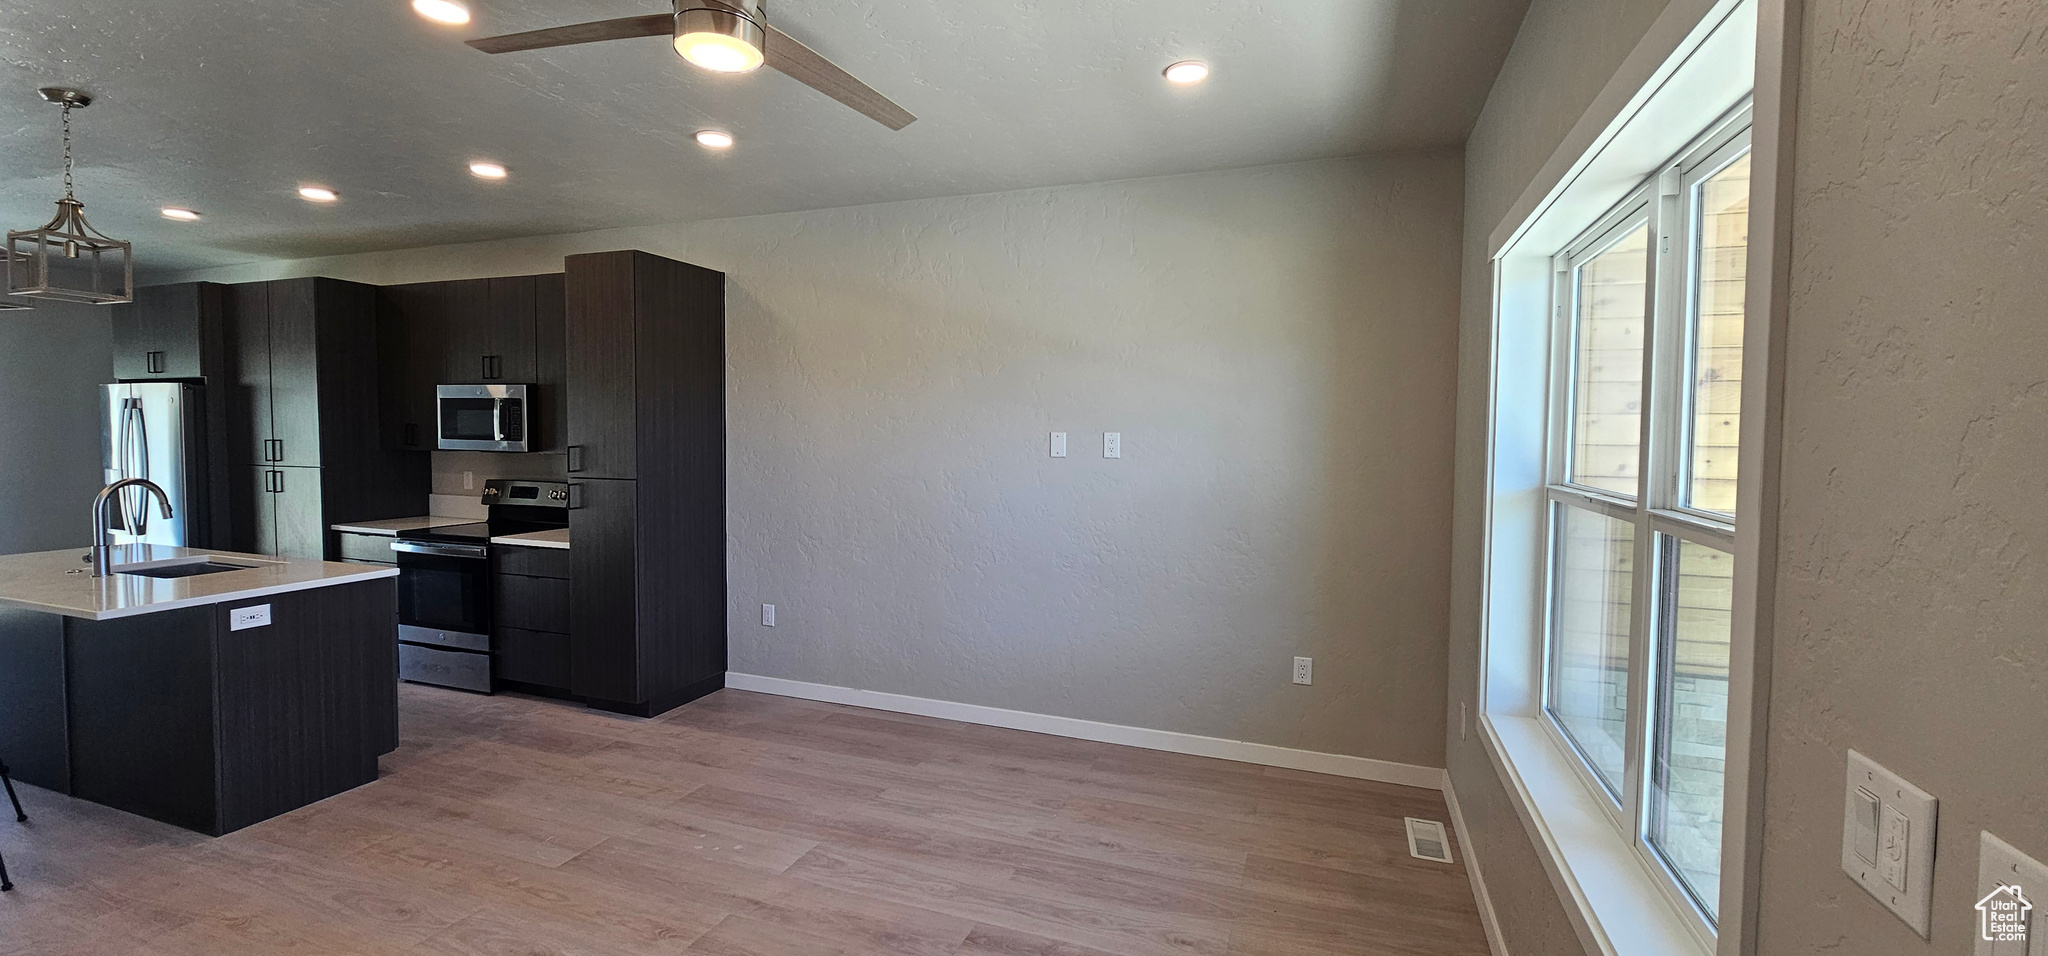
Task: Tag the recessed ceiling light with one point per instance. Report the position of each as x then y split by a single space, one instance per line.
1187 72
318 193
714 139
487 170
442 11
182 215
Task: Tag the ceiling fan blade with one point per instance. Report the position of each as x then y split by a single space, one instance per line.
787 54
624 28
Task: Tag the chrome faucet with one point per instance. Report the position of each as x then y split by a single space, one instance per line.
102 524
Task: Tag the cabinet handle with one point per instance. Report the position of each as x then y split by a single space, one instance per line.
270 481
575 462
153 362
280 482
575 495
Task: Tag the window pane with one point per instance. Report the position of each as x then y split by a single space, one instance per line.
1686 779
1590 646
1607 399
1723 274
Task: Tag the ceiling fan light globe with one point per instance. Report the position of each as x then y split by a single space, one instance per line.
720 40
719 53
442 11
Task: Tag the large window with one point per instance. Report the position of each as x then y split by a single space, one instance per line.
1647 386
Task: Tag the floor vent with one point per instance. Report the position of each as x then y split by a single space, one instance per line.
1426 841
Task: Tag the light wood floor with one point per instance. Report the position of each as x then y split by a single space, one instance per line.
748 825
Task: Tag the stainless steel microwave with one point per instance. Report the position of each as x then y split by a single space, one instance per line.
483 417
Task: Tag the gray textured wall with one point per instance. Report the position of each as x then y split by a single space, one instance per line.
1915 476
52 360
1566 52
1277 346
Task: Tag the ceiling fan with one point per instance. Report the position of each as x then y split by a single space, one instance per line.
725 36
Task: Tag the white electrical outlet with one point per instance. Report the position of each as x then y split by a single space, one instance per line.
2011 900
469 481
1112 444
1902 875
244 618
767 615
1059 444
1304 670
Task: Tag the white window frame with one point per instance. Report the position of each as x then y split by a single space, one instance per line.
1666 202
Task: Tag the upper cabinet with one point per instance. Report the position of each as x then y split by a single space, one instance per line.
169 331
646 363
464 332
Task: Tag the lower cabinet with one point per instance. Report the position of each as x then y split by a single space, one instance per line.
364 548
540 658
530 617
180 717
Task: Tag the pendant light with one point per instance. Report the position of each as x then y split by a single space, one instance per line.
67 258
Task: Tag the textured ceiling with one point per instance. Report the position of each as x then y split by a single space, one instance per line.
226 106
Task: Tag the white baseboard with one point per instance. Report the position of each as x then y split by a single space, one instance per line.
1361 768
1487 917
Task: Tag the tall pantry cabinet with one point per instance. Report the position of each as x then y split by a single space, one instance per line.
301 392
646 467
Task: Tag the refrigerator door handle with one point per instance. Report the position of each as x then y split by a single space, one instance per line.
140 526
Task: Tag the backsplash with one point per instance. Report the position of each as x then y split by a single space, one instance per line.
449 467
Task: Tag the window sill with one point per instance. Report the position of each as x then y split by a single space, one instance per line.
1617 903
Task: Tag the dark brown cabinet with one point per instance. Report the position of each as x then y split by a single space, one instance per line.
169 331
531 615
179 717
301 384
279 510
646 460
600 363
465 332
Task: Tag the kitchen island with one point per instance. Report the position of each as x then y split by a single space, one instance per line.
210 700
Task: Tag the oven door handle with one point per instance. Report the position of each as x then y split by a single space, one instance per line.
441 550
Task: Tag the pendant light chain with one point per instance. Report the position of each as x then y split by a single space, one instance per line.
67 151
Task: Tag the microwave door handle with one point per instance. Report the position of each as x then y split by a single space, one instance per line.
498 420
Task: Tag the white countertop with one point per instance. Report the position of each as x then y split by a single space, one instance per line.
59 582
390 527
552 538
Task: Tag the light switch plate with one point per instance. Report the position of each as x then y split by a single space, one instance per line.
2012 888
244 618
1903 876
767 615
1059 444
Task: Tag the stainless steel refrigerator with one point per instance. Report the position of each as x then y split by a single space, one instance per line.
157 430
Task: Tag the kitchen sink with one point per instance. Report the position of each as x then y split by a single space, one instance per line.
185 570
182 567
